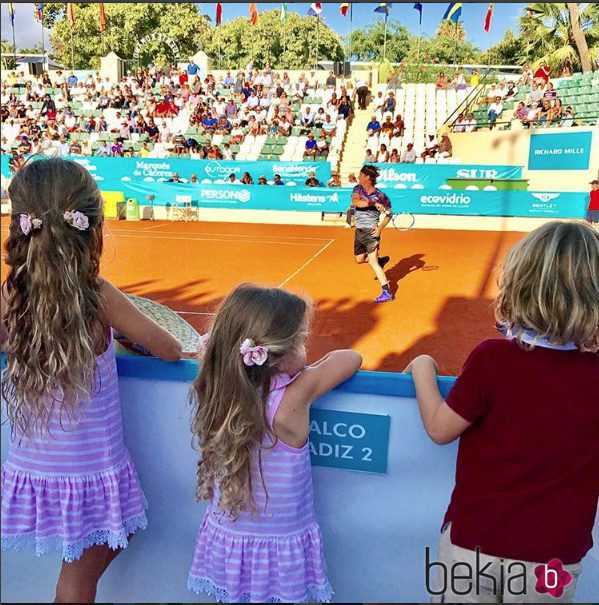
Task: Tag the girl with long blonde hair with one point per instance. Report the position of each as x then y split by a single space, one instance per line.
526 410
69 483
260 540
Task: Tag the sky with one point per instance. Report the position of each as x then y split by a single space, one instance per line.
28 31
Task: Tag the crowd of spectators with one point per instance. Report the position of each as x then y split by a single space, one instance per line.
174 107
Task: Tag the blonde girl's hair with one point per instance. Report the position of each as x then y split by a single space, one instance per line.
550 284
53 302
229 419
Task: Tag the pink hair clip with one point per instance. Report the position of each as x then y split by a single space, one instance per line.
76 219
28 222
253 355
203 342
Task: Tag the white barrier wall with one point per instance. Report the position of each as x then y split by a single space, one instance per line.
376 526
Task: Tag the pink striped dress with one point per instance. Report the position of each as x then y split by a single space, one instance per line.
75 486
276 554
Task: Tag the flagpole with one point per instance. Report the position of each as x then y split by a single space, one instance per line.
385 39
72 51
14 44
43 41
455 44
351 31
317 41
419 38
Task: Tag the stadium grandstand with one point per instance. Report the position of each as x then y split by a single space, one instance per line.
418 160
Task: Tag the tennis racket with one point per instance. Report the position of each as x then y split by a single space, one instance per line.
167 319
403 221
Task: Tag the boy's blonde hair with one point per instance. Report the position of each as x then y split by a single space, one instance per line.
550 284
230 411
54 306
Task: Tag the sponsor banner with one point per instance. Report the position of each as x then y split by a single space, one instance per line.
435 175
421 201
563 151
111 173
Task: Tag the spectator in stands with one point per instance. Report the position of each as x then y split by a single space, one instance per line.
393 82
545 112
345 107
512 90
379 104
394 157
382 157
398 126
568 121
322 146
495 111
262 180
75 148
351 178
310 146
63 147
373 126
331 80
542 74
502 90
319 117
387 127
129 152
532 116
409 154
535 95
557 110
278 180
459 124
550 93
246 179
474 78
152 131
209 123
174 178
521 113
390 104
214 153
233 179
227 154
48 108
329 127
335 180
369 158
430 147
459 81
593 210
445 147
193 179
362 92
441 81
312 181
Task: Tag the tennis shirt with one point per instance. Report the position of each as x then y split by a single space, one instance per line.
527 473
368 218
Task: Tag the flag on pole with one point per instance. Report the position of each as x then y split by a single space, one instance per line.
418 7
284 12
102 17
253 10
39 11
11 12
383 7
219 13
453 12
489 17
344 8
315 9
71 14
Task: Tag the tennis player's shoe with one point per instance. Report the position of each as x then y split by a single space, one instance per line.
384 297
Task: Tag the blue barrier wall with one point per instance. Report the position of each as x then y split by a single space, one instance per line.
417 201
376 526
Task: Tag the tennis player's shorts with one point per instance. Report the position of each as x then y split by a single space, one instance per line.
593 216
365 242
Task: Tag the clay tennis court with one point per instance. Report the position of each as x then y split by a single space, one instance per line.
444 281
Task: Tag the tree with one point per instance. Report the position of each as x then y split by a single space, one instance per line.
549 33
126 25
8 51
506 52
289 45
367 42
579 39
451 30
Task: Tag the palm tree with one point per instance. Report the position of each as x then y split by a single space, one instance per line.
449 29
7 55
556 34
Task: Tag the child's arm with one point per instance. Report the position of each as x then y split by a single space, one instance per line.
442 424
325 374
124 316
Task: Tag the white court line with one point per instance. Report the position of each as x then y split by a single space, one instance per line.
223 235
207 239
305 264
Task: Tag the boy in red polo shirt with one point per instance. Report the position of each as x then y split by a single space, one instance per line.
593 212
526 409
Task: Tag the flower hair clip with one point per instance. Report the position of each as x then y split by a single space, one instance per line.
253 355
28 222
76 219
203 342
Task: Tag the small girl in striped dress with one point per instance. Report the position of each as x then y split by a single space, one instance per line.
69 483
259 540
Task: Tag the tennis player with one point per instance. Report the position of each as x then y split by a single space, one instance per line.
370 203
